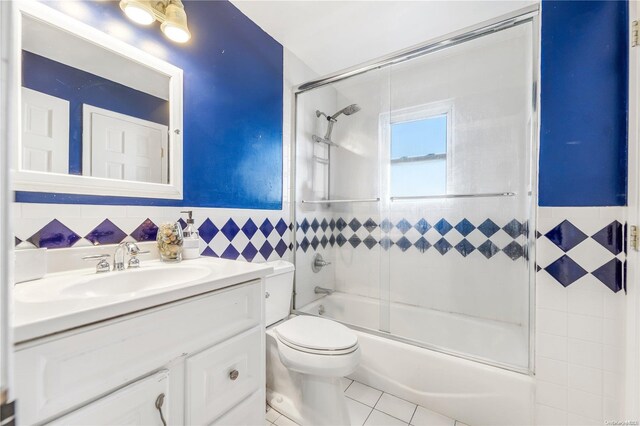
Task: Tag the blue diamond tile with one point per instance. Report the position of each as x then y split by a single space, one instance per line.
422 226
267 227
182 223
281 227
324 225
304 225
386 242
403 243
147 231
611 237
386 225
354 224
422 244
566 235
514 250
370 242
324 241
315 225
54 235
565 270
354 241
290 246
332 224
465 227
538 235
291 226
230 230
488 228
249 252
267 249
207 230
315 242
106 233
332 240
341 240
304 245
370 225
442 246
443 227
514 229
208 251
611 274
16 240
249 229
403 226
230 253
464 247
281 248
341 224
488 249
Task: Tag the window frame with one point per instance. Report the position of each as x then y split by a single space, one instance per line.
416 113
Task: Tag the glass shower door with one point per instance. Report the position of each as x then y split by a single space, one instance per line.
456 152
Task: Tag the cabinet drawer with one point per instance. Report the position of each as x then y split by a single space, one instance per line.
131 405
212 384
64 373
249 412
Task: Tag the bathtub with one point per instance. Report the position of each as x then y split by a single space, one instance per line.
472 392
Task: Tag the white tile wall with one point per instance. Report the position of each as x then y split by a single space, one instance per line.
579 356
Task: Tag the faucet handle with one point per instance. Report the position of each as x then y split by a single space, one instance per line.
134 262
103 265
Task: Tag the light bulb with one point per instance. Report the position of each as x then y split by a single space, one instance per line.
175 33
137 12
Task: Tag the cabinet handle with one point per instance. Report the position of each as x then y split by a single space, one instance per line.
234 374
159 402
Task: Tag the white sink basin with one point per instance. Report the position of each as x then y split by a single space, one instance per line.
132 282
65 300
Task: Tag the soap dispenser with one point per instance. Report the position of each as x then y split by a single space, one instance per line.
191 245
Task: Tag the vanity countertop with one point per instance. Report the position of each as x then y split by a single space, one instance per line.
66 300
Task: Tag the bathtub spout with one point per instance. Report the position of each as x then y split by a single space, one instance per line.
322 290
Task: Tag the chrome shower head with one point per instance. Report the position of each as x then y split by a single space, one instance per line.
351 109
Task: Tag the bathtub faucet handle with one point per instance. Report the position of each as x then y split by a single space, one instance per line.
318 263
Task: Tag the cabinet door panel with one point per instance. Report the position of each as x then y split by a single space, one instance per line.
249 412
131 405
211 386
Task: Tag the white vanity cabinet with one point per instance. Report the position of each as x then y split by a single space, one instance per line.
204 353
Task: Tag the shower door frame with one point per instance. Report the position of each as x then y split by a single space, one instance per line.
529 14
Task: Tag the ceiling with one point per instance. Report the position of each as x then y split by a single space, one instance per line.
333 35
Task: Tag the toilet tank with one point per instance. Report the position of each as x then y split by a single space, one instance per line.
279 290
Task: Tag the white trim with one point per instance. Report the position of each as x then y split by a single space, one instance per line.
72 184
632 367
88 110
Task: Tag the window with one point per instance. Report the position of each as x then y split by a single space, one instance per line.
419 156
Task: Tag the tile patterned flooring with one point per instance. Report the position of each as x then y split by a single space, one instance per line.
373 407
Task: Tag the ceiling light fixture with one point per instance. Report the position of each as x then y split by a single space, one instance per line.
170 13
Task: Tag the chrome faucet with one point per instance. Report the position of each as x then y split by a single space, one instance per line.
132 250
322 290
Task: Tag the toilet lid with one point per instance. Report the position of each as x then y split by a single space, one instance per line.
317 334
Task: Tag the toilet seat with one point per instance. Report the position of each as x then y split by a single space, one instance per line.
317 336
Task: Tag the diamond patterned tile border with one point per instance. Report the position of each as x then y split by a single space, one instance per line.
106 233
54 235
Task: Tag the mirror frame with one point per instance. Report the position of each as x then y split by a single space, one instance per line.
33 181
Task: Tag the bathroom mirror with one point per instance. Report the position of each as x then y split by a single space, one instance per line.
93 115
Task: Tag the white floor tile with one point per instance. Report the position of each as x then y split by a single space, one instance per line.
396 407
424 417
461 424
346 383
358 412
378 418
271 415
284 421
363 393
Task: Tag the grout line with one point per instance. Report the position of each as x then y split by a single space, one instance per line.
414 413
345 389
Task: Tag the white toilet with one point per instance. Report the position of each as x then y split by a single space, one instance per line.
307 357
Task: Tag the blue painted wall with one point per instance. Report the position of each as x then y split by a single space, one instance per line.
584 103
232 106
79 87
